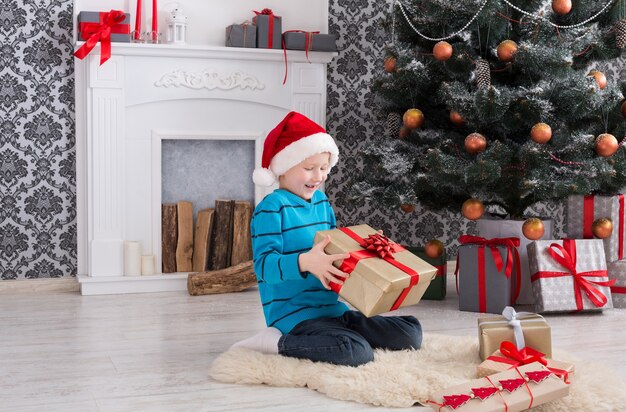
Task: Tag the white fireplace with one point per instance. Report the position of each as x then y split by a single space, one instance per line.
148 93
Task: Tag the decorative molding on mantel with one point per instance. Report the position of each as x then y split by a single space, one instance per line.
209 80
213 52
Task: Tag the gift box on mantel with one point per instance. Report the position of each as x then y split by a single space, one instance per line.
310 41
513 390
268 29
383 275
569 275
488 273
617 271
241 35
582 211
509 357
89 21
523 328
437 288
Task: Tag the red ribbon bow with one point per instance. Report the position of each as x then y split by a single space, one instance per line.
512 261
101 32
519 357
567 259
372 246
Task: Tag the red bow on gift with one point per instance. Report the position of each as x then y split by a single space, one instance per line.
518 357
101 32
567 259
381 245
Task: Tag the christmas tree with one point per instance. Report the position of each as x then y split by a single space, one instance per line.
498 101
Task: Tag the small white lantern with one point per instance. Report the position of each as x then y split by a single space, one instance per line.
177 27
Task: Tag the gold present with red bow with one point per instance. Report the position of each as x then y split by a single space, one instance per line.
509 357
513 390
383 275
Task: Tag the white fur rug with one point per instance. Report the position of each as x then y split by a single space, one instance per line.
402 379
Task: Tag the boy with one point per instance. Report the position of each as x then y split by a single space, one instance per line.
304 316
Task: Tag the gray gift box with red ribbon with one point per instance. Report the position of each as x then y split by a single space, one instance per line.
576 280
317 42
268 30
482 286
617 271
94 17
241 35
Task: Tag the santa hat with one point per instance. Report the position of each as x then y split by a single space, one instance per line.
294 139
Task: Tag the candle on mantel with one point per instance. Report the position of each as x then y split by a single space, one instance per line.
147 264
132 258
155 22
137 34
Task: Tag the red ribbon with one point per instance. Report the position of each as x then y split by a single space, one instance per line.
506 405
511 244
101 32
620 247
618 289
376 246
516 357
441 270
270 34
567 259
588 217
308 42
532 398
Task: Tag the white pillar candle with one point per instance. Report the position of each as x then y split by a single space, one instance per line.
132 258
147 265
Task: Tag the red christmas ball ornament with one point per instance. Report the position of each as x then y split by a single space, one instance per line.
602 228
390 64
434 248
533 228
442 51
456 118
606 145
561 7
404 132
541 133
506 50
473 209
600 78
407 208
413 118
475 143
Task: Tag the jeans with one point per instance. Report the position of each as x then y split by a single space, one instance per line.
351 338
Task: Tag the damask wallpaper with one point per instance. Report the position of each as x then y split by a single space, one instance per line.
37 153
37 148
352 121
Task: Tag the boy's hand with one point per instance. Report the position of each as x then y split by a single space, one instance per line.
320 264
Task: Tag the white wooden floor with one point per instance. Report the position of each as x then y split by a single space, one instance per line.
151 352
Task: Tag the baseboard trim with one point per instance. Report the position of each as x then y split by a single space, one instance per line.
26 286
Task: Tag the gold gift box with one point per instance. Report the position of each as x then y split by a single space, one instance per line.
374 285
490 366
550 389
492 331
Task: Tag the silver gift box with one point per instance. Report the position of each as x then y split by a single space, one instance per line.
617 270
556 294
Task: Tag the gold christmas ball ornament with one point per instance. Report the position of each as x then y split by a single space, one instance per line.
433 248
407 208
561 7
606 145
475 143
413 118
602 228
533 228
390 64
442 51
600 78
506 50
456 118
541 133
473 209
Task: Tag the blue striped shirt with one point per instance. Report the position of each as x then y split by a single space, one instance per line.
283 226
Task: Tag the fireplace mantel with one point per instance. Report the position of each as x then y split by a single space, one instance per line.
146 93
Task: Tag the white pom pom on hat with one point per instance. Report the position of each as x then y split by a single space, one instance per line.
293 140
